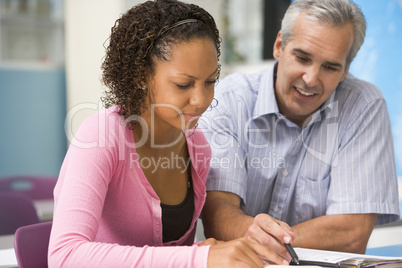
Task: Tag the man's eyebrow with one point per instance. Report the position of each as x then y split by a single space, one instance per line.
302 52
334 64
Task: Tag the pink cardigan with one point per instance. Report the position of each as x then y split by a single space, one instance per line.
107 214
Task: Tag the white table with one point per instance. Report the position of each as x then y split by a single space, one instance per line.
44 208
6 241
7 254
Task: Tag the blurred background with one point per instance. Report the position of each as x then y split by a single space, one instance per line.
51 52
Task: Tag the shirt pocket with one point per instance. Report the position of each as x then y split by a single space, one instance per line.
311 198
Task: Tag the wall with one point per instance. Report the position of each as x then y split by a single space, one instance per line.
87 27
32 112
32 87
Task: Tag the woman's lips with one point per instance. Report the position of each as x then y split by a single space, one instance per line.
191 117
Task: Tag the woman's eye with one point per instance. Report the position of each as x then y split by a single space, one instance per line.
183 86
211 81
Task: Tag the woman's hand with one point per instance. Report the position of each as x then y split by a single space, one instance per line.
241 252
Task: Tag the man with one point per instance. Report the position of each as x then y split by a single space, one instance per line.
304 143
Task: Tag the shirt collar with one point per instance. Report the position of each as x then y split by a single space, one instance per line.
266 100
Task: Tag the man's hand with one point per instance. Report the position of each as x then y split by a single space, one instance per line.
224 220
271 233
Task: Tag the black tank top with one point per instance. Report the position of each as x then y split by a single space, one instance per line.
176 219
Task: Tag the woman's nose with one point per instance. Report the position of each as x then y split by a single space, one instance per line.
198 97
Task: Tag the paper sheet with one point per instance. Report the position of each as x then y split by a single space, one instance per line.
332 257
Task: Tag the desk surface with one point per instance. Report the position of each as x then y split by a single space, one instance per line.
44 208
6 241
7 255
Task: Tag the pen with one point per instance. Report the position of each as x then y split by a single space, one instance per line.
295 258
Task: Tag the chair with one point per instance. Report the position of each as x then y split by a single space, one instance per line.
31 244
36 187
16 210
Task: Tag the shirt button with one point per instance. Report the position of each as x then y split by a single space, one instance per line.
285 173
276 209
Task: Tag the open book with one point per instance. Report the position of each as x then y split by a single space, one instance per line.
340 259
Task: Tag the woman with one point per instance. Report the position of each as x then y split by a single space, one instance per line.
131 198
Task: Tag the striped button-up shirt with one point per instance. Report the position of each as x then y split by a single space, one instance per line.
340 162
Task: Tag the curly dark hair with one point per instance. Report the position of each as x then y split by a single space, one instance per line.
140 37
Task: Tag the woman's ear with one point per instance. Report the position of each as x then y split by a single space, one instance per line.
148 79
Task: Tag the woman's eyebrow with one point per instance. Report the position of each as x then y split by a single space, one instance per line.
193 77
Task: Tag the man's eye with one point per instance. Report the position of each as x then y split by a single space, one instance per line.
331 68
301 59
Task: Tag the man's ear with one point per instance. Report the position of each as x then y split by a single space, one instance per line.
344 74
278 46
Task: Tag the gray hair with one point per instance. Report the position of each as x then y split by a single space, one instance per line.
332 12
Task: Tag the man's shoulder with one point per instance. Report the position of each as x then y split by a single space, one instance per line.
360 89
241 87
242 82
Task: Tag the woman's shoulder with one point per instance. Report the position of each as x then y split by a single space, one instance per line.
102 117
99 126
